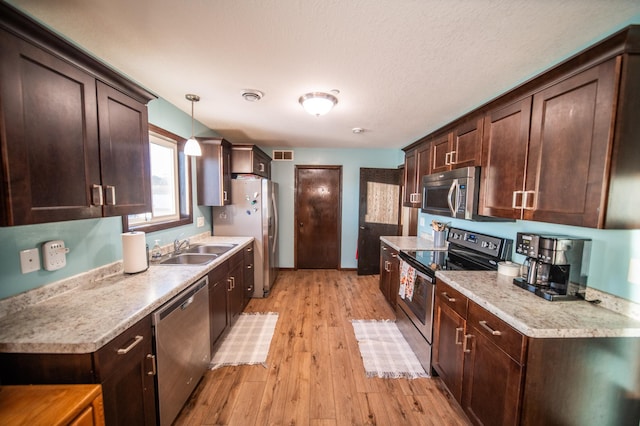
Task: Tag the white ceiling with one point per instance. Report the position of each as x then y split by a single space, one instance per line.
403 67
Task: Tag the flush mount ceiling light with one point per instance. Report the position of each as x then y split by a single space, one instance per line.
192 147
318 103
250 95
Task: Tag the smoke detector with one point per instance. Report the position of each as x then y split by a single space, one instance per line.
250 95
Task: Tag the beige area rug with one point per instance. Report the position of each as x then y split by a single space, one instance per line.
384 350
247 342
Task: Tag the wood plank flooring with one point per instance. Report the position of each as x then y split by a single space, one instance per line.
314 373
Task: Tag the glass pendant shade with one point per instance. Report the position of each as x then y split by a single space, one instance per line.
318 103
192 147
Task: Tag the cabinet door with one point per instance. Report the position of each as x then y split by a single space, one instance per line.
441 153
410 170
492 382
235 289
49 137
423 165
214 173
124 153
448 357
385 272
569 151
249 274
125 369
218 321
504 156
467 144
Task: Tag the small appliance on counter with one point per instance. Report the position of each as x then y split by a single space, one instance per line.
556 267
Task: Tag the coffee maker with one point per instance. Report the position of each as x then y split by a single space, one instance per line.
557 265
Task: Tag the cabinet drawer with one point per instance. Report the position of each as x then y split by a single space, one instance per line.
134 343
454 299
499 332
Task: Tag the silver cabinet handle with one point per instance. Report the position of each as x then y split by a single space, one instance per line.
447 159
250 266
110 192
233 282
96 195
515 197
525 200
261 167
489 329
465 343
451 162
458 331
447 297
136 340
224 196
230 286
153 365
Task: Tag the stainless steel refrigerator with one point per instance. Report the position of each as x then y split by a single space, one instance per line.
253 213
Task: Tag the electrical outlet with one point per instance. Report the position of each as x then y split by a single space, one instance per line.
422 221
29 260
200 222
634 271
54 255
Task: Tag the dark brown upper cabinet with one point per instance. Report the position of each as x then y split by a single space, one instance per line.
214 172
561 147
72 146
417 163
461 147
249 159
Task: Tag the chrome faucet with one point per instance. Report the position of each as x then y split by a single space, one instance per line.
178 244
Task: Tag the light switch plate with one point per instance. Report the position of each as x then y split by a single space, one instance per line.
54 255
29 260
200 222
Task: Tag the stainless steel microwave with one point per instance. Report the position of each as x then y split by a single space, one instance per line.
453 194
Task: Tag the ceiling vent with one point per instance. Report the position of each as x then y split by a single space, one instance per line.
251 95
282 155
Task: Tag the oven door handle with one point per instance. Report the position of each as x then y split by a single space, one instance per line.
453 208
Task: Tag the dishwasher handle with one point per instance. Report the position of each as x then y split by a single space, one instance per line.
186 303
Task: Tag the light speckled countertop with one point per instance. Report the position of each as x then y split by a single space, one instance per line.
534 316
411 243
85 318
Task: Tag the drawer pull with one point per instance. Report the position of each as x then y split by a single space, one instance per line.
136 340
489 329
449 298
458 331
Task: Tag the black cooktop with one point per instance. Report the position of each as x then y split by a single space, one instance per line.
467 251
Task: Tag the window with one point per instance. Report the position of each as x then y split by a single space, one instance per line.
170 185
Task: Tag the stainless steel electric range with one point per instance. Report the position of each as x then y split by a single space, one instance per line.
467 251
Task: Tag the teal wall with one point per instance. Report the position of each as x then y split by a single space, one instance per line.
351 160
611 250
93 242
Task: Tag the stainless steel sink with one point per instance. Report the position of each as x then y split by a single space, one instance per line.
190 259
216 249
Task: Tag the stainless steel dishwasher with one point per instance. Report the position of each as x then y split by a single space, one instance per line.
181 330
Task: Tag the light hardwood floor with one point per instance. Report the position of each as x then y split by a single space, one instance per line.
314 373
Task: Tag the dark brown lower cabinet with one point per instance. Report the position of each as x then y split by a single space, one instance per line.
124 367
389 273
501 377
235 289
218 284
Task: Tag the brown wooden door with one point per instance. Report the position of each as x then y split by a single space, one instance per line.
467 144
124 152
492 383
318 217
379 215
569 149
504 157
448 356
49 136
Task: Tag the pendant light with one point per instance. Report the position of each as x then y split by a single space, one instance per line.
192 147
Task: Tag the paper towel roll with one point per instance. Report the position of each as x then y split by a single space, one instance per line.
134 252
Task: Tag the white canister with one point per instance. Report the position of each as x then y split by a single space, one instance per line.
509 269
134 252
